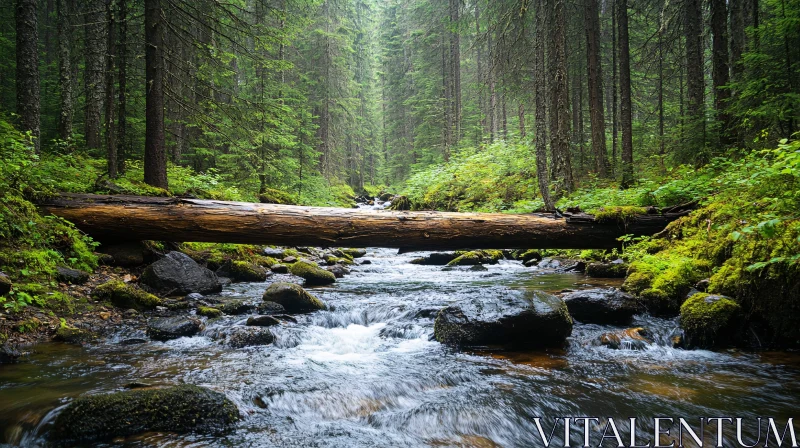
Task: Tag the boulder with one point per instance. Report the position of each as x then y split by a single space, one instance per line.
435 259
338 271
166 328
628 339
74 276
125 296
236 307
273 252
709 320
262 321
242 271
292 297
703 285
177 273
279 268
9 354
615 269
355 253
479 268
240 337
270 308
527 319
73 335
365 262
193 297
474 257
601 306
126 254
313 275
5 284
549 264
529 255
209 312
179 409
290 259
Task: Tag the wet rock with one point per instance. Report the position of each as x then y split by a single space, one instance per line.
292 297
279 268
365 262
73 276
242 271
193 297
166 328
313 275
179 409
529 319
479 267
126 254
73 335
270 308
601 306
435 259
104 259
262 321
549 264
177 273
531 255
703 285
236 307
5 284
125 296
530 263
400 203
290 259
615 269
475 257
578 266
249 336
133 341
224 281
338 271
9 354
629 339
273 252
385 196
709 320
137 385
209 312
285 318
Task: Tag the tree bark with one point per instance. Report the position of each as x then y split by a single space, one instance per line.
693 28
123 92
595 80
720 70
94 26
540 117
559 101
155 157
626 119
177 219
66 105
111 143
28 70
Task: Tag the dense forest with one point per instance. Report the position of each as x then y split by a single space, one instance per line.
303 96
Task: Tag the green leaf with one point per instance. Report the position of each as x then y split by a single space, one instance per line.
735 236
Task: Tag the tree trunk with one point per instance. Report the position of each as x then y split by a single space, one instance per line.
540 93
28 70
67 107
111 144
176 219
614 101
123 93
455 67
693 28
625 94
94 26
155 157
720 73
737 37
595 80
521 114
559 101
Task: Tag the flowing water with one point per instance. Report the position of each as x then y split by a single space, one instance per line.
367 374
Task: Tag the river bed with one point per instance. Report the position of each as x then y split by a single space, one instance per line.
367 374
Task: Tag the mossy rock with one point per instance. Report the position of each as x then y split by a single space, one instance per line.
125 296
475 257
179 409
529 255
73 335
292 297
209 312
313 275
606 270
273 196
400 203
73 276
709 321
5 284
236 307
240 337
279 268
332 260
658 303
242 271
640 277
355 253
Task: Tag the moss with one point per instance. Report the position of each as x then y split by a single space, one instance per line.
29 325
709 320
207 311
607 270
400 203
618 214
273 196
123 295
313 275
247 272
332 260
73 335
640 277
474 257
265 261
292 297
354 253
680 276
528 255
178 409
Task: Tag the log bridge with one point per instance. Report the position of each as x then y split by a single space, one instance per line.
118 217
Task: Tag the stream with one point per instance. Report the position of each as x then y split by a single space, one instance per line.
366 373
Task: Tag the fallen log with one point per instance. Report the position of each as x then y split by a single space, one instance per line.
115 218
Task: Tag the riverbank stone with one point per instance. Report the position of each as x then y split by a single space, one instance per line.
73 276
313 275
435 259
614 269
292 297
709 320
180 409
528 319
249 336
177 273
125 296
5 284
601 306
262 321
629 339
270 308
166 328
242 271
